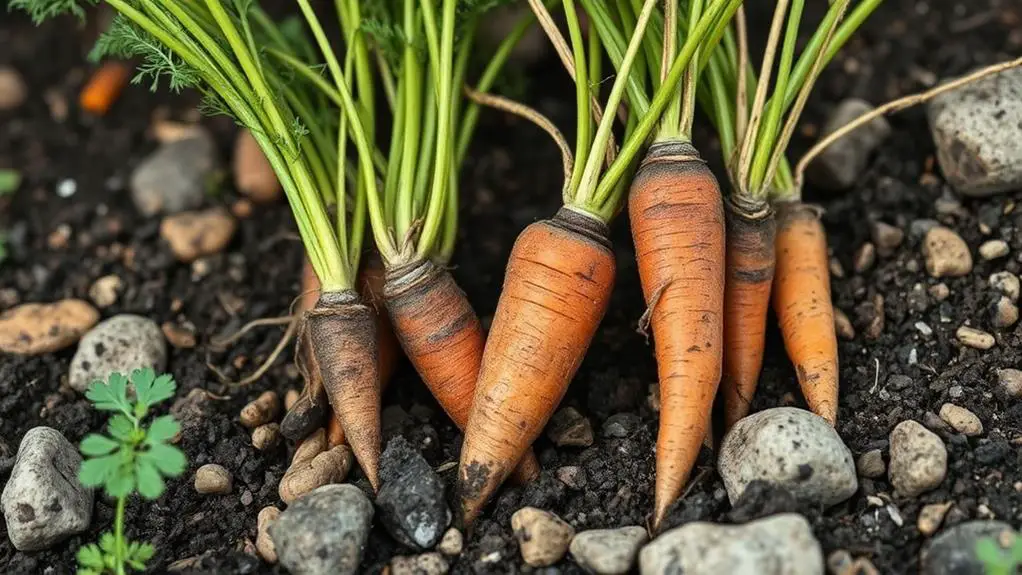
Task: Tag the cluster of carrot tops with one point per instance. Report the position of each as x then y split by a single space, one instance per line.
377 208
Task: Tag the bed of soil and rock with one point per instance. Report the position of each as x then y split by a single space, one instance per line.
925 268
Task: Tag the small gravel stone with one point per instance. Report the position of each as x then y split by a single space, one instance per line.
899 382
886 237
843 325
931 516
953 552
993 249
425 564
790 447
961 419
621 425
608 551
213 479
569 428
411 499
261 410
572 476
946 253
253 174
42 501
864 258
266 436
1007 283
120 344
192 235
841 163
324 532
871 464
974 338
776 545
542 536
105 291
1009 383
1005 313
918 459
452 543
12 88
840 562
264 544
37 328
939 292
313 465
179 336
975 129
174 178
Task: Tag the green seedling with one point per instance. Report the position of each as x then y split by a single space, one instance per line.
9 181
131 458
996 559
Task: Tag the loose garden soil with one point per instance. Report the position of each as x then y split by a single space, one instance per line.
511 179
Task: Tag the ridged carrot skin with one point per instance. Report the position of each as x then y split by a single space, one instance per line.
104 87
749 266
677 221
803 305
556 289
442 336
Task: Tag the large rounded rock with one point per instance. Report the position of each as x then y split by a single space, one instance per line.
777 545
43 502
790 447
324 532
120 344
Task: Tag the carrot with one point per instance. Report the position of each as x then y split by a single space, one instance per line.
677 222
556 289
803 305
104 87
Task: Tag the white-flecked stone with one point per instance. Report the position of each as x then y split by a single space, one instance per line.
120 344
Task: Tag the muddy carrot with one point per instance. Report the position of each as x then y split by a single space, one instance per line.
104 87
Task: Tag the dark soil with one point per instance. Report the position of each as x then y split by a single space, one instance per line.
512 179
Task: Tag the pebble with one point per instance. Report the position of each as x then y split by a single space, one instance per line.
37 328
975 129
608 551
425 564
266 436
43 502
923 328
179 336
452 543
12 89
946 253
213 479
781 544
263 542
542 536
843 325
120 344
841 163
1007 283
918 459
939 292
569 428
886 237
871 464
1009 383
261 410
105 291
411 499
864 258
1005 313
314 465
174 177
961 419
790 447
621 425
572 476
931 516
974 338
953 552
993 249
324 532
192 235
253 174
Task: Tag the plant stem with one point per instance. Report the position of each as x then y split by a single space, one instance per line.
582 94
120 545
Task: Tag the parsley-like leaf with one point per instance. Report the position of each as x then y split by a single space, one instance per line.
162 429
95 445
166 458
90 557
110 396
96 471
149 389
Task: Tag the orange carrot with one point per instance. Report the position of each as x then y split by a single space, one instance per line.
749 267
556 289
677 222
104 87
803 305
442 336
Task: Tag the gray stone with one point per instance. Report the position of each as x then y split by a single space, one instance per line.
569 428
425 564
608 551
871 464
174 177
953 551
918 459
777 545
43 502
790 447
621 425
1007 283
411 500
120 344
1009 383
841 163
324 532
978 133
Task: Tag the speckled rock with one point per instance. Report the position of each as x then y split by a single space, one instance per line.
608 551
120 344
324 532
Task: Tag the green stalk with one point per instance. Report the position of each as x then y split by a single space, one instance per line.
582 95
411 83
120 545
615 44
394 158
688 92
426 152
672 115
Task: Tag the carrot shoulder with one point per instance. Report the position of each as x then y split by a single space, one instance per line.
803 305
556 288
677 223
